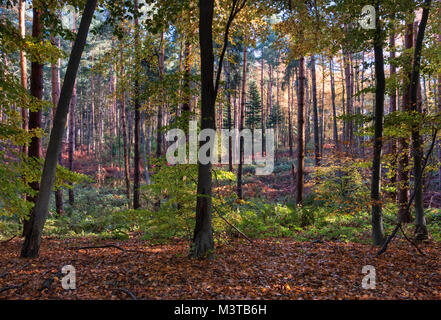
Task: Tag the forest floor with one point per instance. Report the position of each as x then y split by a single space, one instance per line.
265 269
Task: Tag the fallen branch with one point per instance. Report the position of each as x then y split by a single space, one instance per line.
126 292
105 246
6 241
231 225
399 224
99 247
13 287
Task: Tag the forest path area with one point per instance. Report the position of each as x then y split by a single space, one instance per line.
265 269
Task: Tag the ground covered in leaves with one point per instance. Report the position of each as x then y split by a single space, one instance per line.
264 269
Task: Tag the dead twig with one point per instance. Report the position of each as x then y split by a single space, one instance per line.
105 246
13 287
126 292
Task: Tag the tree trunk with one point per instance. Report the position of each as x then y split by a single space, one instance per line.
203 243
136 159
300 133
31 245
377 218
34 150
315 112
230 139
124 126
393 108
23 64
334 111
241 121
417 148
290 142
55 77
403 171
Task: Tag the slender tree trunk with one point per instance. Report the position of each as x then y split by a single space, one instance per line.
35 116
417 148
334 111
72 139
439 111
290 142
403 171
315 112
241 121
262 104
230 139
55 77
159 133
136 159
300 133
124 125
23 63
377 218
349 101
31 245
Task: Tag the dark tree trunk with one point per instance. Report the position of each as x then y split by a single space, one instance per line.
34 150
72 125
136 159
290 142
230 139
31 245
300 133
124 126
315 112
262 104
241 121
203 242
23 67
377 218
334 111
55 77
349 123
417 148
403 171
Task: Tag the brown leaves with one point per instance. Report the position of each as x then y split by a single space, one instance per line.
266 269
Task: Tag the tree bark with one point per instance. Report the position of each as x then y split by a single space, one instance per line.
403 171
203 242
377 218
417 148
315 113
31 245
55 78
334 111
300 133
34 150
136 159
124 126
242 120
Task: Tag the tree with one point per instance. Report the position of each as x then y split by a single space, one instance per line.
315 113
420 221
380 87
31 245
253 107
137 104
34 150
203 242
300 133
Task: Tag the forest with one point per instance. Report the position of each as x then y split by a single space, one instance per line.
220 150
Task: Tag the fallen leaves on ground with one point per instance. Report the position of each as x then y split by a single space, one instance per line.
264 269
